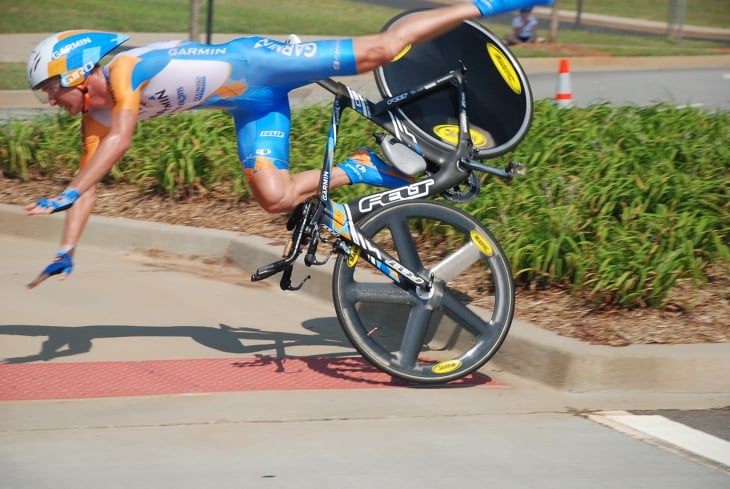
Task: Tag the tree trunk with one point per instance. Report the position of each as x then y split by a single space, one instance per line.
195 20
675 23
578 13
554 22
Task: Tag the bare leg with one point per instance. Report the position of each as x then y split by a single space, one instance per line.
279 191
376 50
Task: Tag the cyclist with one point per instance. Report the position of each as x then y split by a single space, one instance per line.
248 77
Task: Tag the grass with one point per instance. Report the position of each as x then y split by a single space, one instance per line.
707 13
620 204
12 76
321 17
613 44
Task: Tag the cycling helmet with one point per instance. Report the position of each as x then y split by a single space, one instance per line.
70 55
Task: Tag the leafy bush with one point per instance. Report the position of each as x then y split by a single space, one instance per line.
620 204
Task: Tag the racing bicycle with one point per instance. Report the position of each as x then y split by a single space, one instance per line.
421 288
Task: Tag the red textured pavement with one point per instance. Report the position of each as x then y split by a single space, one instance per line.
43 381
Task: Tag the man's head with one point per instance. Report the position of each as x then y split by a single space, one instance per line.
64 61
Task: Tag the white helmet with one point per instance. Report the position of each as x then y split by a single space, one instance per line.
71 55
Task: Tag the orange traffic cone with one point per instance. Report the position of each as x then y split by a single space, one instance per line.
564 96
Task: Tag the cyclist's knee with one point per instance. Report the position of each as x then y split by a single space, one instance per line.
376 50
270 188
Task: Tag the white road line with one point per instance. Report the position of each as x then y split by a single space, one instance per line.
669 432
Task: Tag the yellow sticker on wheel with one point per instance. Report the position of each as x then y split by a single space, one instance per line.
353 257
450 134
481 243
505 68
446 367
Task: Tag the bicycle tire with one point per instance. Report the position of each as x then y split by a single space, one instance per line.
442 336
499 96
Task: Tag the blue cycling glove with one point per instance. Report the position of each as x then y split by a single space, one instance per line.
63 264
493 7
62 202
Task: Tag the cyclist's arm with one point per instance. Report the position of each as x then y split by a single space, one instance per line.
78 215
109 147
123 122
103 147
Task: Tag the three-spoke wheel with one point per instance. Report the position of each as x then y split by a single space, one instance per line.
436 335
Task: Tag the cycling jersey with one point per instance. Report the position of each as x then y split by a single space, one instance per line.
248 77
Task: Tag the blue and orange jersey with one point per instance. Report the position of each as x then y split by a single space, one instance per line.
249 77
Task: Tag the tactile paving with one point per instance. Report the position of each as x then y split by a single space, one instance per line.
76 380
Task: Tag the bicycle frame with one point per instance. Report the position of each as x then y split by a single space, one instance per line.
446 176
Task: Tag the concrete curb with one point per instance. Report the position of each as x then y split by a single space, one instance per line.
529 351
128 235
569 364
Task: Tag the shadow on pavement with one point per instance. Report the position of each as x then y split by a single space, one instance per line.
65 341
262 348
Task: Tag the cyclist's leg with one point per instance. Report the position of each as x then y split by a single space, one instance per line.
313 61
263 147
364 166
375 50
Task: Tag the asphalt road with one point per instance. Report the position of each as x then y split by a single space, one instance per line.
706 88
121 316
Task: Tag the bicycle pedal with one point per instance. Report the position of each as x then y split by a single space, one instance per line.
516 168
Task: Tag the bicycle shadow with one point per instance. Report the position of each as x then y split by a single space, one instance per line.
266 347
66 341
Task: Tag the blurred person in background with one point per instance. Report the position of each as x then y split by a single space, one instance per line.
524 28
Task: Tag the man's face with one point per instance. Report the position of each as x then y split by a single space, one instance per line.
69 99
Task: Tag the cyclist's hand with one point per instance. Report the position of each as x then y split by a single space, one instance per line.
493 7
49 206
62 265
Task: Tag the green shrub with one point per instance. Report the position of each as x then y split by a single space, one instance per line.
620 204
